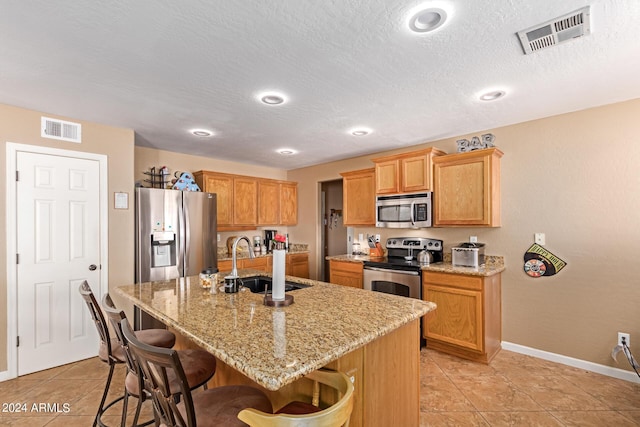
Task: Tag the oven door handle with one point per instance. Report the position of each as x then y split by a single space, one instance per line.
386 270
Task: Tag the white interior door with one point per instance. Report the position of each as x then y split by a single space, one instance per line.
58 245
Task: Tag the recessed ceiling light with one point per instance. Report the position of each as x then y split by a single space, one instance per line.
493 95
426 20
272 98
201 132
360 131
286 151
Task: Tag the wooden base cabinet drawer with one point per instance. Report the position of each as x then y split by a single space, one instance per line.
468 320
346 273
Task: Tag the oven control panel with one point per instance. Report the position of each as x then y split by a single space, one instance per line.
414 243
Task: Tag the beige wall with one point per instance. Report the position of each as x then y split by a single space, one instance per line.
575 177
23 126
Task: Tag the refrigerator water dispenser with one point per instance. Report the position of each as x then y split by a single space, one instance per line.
163 247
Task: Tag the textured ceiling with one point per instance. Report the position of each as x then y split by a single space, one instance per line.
164 67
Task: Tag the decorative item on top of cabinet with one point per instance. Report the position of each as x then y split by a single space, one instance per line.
358 197
467 189
406 172
468 321
346 273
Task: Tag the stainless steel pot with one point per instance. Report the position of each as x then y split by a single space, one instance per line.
425 257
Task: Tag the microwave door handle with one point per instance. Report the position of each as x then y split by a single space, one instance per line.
413 222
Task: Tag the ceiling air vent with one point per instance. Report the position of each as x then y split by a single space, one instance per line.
556 31
59 129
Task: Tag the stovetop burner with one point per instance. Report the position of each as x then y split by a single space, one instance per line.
400 247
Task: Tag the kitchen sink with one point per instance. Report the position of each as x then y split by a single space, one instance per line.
256 284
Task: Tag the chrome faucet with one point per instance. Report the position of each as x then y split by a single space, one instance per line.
234 257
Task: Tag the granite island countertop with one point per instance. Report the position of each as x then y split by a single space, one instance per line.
493 264
275 346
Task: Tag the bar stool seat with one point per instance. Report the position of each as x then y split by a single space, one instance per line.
303 414
200 366
220 406
213 407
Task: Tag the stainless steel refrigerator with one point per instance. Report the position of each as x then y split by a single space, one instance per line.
176 236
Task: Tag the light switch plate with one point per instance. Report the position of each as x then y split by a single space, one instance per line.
473 239
539 238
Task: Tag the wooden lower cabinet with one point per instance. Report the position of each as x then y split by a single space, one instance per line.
259 263
346 273
297 265
387 392
468 320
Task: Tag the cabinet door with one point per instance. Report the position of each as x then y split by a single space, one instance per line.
467 189
387 177
224 266
345 273
245 191
222 185
358 197
268 202
416 173
458 319
298 265
288 203
259 263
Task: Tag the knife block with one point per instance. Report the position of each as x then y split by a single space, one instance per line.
376 252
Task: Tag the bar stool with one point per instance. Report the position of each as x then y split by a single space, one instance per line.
218 406
200 365
110 350
303 414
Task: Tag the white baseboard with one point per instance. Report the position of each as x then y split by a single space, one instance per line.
5 375
570 361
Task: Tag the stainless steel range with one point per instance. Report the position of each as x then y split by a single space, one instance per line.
399 273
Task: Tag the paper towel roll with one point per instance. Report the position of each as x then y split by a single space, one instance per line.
277 292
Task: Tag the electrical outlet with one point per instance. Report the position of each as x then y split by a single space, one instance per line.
626 337
218 237
377 238
473 239
539 238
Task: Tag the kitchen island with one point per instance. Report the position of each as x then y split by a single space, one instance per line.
371 336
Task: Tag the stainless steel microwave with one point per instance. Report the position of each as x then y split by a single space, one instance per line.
404 210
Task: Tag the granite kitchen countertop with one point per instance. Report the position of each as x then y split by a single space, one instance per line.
275 346
493 264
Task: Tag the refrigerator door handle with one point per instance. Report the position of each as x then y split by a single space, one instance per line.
187 235
181 243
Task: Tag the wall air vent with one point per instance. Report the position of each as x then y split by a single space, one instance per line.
59 129
556 31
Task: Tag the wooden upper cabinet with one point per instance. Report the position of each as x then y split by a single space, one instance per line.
467 189
222 185
245 194
245 202
387 176
288 203
358 197
406 172
268 202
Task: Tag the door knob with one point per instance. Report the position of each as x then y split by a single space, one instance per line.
92 267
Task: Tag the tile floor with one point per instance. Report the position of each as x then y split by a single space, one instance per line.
515 390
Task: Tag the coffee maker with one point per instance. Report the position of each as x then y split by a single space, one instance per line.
269 239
